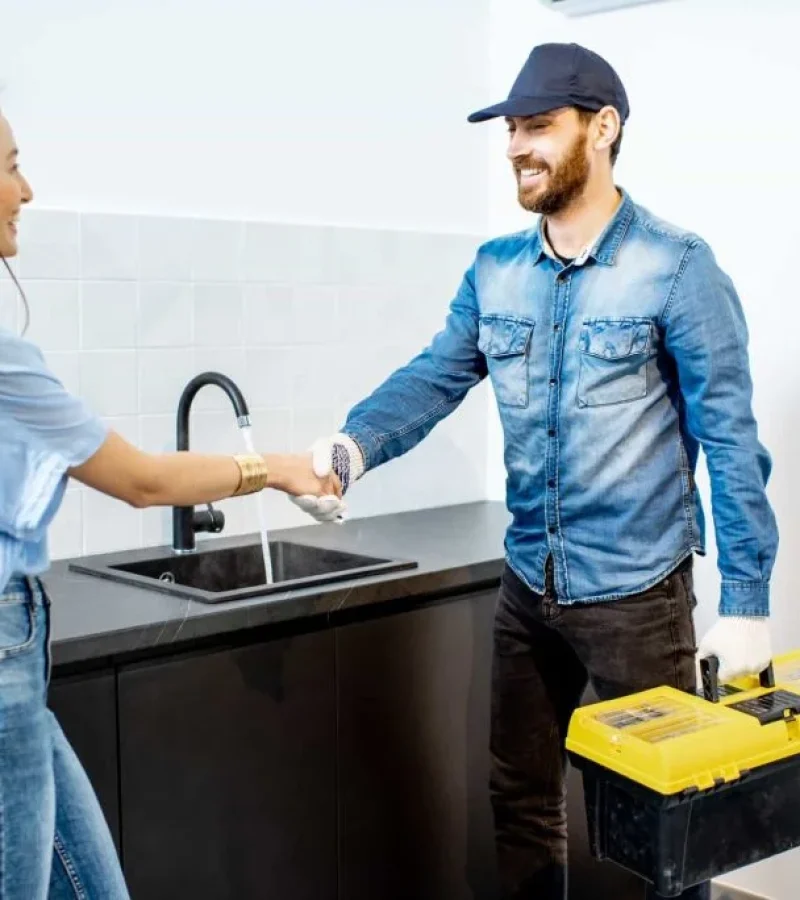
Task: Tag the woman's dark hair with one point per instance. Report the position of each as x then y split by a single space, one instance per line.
21 293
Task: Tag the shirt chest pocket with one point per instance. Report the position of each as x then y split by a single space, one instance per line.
613 360
505 342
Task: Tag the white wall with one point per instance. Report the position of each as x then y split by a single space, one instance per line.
712 144
351 112
171 146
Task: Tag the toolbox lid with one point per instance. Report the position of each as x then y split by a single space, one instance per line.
671 741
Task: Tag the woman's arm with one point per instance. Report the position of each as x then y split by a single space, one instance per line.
185 479
53 433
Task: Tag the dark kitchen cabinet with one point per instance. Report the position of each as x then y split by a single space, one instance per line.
85 706
227 764
346 764
414 814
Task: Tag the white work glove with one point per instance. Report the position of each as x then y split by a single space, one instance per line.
741 643
338 453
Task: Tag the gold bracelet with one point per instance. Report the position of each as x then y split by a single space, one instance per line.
254 474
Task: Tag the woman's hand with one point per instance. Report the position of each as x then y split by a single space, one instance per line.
294 474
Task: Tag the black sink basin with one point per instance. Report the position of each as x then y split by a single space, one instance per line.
216 574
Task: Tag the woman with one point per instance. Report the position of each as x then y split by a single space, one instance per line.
54 841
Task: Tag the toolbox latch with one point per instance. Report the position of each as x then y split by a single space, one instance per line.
772 707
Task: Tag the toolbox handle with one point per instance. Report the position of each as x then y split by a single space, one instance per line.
709 671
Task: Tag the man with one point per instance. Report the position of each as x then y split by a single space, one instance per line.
616 347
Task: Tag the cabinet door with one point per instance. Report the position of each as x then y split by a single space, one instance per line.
414 813
228 773
85 706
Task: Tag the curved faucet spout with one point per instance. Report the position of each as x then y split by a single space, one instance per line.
185 522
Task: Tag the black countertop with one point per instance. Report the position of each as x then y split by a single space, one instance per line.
457 548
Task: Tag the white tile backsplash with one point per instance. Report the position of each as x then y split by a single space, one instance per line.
215 432
50 244
109 315
128 427
157 433
216 251
314 376
288 254
156 526
316 315
364 256
109 381
165 249
163 374
109 247
66 533
272 430
109 524
310 424
166 315
55 318
269 377
217 315
306 319
269 314
9 304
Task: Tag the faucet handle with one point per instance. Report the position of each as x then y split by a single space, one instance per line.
211 520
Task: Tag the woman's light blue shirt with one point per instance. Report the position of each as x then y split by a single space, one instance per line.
44 432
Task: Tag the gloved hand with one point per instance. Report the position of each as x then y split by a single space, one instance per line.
338 454
741 643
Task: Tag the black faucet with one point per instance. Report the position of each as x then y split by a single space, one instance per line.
186 521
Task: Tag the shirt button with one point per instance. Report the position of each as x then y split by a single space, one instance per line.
556 326
551 483
552 529
552 432
552 381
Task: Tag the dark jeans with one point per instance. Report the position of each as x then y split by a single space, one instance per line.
544 655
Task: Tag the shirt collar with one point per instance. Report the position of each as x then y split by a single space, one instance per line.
603 249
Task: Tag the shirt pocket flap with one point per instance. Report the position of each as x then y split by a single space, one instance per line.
616 338
500 336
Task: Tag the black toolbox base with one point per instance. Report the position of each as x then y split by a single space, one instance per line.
678 842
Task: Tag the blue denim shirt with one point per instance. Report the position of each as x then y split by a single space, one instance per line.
44 431
609 374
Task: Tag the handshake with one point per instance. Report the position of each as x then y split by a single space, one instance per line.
337 462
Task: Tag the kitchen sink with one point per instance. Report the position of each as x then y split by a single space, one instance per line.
217 574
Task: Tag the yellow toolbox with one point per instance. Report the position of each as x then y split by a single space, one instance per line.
681 788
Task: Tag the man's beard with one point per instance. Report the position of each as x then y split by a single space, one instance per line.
563 184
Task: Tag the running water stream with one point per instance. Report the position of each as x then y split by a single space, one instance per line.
247 436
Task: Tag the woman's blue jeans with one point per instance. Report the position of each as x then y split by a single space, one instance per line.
54 840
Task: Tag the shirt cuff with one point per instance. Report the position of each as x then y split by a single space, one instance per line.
744 598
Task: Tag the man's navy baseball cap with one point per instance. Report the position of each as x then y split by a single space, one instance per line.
557 75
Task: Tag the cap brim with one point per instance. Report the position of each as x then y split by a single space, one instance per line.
528 106
519 106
